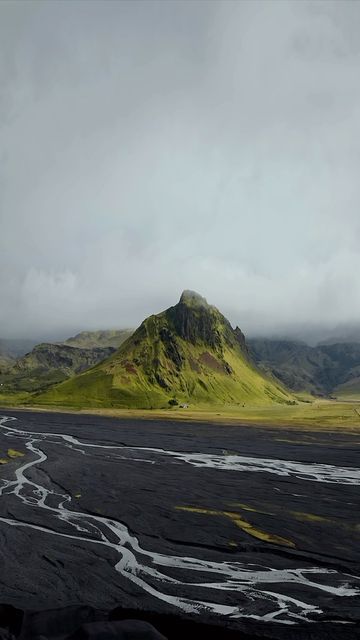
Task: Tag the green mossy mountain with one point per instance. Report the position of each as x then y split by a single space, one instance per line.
187 354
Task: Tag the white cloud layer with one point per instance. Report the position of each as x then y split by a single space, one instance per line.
147 147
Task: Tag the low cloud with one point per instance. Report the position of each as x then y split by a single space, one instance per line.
150 147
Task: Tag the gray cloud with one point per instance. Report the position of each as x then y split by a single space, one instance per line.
147 147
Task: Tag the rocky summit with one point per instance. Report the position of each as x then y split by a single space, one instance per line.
188 354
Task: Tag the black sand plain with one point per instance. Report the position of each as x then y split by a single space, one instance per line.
251 530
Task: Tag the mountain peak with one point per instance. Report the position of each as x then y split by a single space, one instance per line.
196 321
193 298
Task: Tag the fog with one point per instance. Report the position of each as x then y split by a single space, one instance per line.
148 147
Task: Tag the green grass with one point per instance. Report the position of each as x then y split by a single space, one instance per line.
320 415
96 389
30 380
317 415
13 399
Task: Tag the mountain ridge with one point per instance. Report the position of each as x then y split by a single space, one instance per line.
327 369
51 362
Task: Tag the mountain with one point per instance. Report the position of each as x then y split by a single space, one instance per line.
48 364
105 338
328 369
6 363
186 354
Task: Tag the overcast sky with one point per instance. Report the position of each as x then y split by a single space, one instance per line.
148 147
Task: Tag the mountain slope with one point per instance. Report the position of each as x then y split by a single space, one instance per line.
6 362
323 370
105 338
48 364
188 353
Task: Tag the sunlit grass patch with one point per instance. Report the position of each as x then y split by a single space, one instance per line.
243 524
309 517
13 453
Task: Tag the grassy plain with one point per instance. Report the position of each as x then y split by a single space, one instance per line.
317 415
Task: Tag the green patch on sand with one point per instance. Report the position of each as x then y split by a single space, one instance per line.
242 523
13 453
308 517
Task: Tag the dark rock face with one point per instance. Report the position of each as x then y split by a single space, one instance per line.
317 369
160 380
240 338
194 324
171 348
195 321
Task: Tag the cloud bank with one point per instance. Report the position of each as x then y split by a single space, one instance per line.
148 147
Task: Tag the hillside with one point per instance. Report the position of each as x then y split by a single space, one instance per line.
5 363
328 369
105 338
187 354
48 364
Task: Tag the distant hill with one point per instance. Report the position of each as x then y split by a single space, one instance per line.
6 363
105 338
49 363
187 354
328 369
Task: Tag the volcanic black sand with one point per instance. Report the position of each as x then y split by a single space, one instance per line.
255 529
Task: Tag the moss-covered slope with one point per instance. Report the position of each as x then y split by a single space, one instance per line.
48 364
187 354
